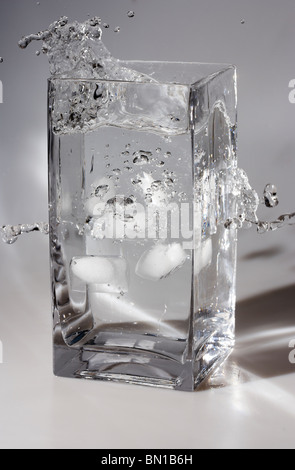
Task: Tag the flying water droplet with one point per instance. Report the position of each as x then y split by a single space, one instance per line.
130 14
106 25
270 195
101 190
117 29
1 60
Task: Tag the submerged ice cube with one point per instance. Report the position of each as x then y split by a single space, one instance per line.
92 269
106 274
161 261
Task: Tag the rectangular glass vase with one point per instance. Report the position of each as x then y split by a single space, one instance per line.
140 189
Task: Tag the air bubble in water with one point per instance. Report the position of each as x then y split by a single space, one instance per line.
142 157
101 190
38 53
270 195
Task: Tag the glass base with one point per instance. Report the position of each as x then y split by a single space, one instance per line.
141 367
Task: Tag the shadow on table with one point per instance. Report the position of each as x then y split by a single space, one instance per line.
265 326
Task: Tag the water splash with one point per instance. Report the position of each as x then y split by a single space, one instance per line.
11 233
280 222
77 50
247 204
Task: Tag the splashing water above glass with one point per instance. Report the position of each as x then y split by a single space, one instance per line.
76 50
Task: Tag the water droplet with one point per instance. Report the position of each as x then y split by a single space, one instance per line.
156 184
141 158
101 190
38 53
117 29
106 25
95 21
167 154
116 171
130 14
135 182
158 150
270 195
1 60
243 21
92 164
168 182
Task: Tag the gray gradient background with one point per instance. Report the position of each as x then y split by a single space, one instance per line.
256 408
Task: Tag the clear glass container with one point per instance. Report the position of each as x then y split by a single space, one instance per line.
140 188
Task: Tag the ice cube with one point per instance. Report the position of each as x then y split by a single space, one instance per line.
92 269
161 261
107 274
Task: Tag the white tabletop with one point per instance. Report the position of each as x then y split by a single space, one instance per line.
247 405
